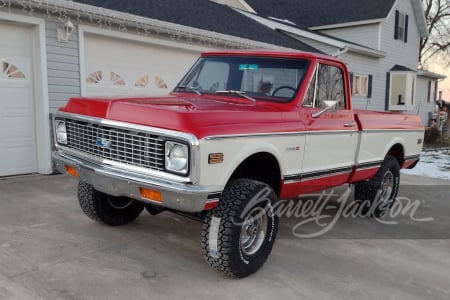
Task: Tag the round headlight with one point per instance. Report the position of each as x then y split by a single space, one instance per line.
61 132
177 157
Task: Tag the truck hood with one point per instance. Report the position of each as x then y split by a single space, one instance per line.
201 116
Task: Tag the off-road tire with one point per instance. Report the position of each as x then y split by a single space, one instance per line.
369 193
100 206
223 231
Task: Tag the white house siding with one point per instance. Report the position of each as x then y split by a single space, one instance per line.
397 53
423 107
63 66
400 53
363 65
366 35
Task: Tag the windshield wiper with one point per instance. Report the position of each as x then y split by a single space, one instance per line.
240 93
191 88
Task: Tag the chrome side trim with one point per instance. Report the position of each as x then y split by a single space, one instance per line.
308 176
278 134
369 165
393 130
412 157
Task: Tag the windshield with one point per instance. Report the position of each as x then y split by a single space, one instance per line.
262 78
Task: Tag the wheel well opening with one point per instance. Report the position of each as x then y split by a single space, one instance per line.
398 152
262 167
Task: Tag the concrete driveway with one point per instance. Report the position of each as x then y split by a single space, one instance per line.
50 250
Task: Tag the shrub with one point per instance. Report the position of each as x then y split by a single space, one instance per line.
431 134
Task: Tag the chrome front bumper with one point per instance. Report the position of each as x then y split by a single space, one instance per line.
117 182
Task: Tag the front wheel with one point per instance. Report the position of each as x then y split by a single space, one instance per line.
377 195
107 209
239 233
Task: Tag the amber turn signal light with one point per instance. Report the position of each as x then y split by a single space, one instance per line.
71 171
151 194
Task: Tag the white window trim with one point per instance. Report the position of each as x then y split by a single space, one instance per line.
406 106
360 85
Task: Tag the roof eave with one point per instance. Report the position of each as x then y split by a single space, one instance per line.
420 17
296 32
425 73
189 33
348 24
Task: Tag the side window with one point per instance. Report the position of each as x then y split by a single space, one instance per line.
308 101
326 84
330 85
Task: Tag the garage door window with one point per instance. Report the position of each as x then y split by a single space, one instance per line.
144 81
11 71
98 77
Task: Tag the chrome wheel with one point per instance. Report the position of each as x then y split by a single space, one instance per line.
253 231
387 186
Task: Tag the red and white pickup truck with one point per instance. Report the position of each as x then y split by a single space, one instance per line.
241 130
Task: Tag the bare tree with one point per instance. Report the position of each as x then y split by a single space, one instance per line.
437 45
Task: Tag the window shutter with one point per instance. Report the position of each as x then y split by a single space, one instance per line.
406 28
397 17
369 88
351 83
429 91
388 83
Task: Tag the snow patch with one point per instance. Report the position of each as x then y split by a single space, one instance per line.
432 164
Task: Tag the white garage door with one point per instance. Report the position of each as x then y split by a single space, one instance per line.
17 117
121 67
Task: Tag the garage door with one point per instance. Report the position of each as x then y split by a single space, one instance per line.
17 117
121 67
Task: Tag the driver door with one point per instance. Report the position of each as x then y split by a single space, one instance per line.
331 135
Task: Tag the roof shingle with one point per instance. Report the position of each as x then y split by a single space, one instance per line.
307 13
202 14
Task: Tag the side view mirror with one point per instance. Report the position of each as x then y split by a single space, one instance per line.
330 105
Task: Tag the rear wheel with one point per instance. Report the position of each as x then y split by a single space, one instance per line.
377 195
239 233
107 209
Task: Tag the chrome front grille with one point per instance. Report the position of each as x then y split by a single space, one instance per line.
139 149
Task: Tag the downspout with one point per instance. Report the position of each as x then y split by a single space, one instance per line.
340 52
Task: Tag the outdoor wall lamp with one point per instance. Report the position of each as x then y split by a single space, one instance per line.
65 31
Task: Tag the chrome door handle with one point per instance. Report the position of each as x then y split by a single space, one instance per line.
351 124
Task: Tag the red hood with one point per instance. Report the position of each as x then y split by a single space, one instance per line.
201 116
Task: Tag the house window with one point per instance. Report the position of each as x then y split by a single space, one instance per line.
432 87
402 90
401 26
360 85
326 84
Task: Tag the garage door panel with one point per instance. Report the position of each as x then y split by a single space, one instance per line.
17 117
13 167
17 126
15 99
144 68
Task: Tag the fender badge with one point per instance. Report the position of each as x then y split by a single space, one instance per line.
292 149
